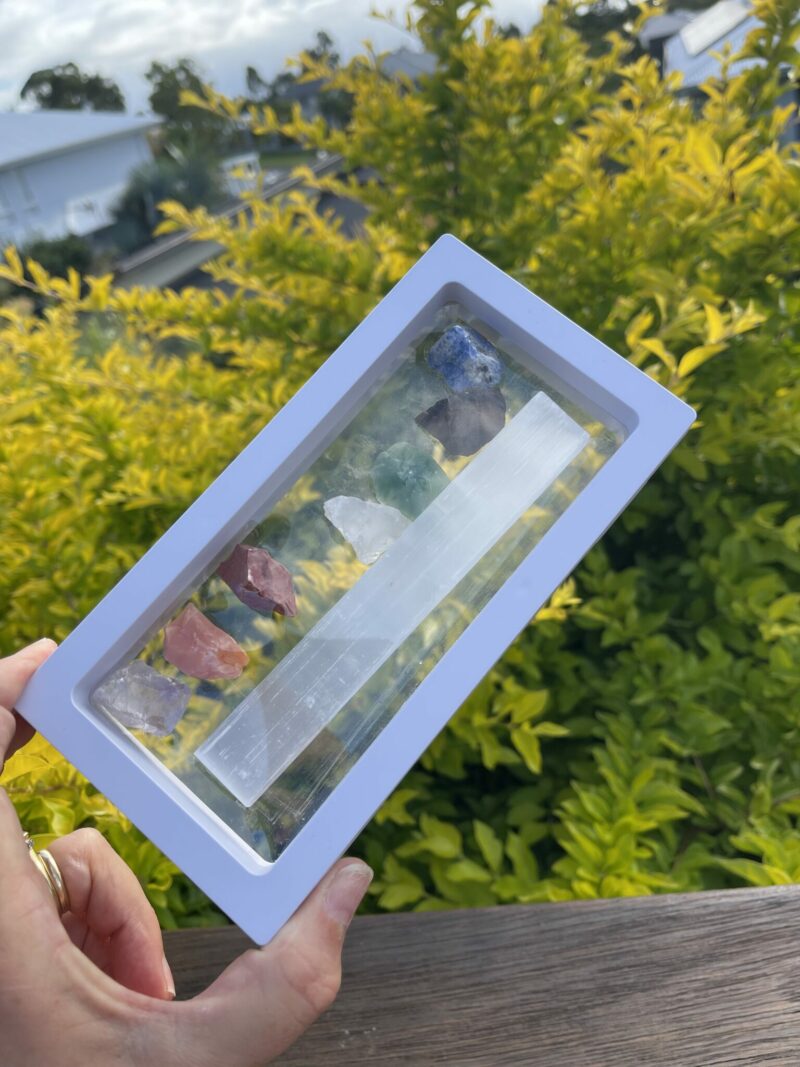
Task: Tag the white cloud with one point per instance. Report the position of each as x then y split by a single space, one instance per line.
119 38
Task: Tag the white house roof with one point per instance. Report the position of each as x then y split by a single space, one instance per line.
713 25
665 25
26 135
412 64
693 51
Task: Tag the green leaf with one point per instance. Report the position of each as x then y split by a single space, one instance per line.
527 744
523 861
439 837
528 704
550 729
467 870
489 843
399 896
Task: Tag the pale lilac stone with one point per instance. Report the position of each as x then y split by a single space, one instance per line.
138 697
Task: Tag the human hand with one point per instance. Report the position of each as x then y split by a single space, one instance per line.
95 987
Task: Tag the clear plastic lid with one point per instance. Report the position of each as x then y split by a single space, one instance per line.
276 672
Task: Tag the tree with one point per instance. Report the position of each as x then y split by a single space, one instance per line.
68 88
641 735
257 88
58 257
186 128
192 181
289 86
323 49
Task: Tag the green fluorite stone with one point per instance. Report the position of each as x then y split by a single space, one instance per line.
407 478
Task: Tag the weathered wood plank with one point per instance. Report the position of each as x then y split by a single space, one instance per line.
676 981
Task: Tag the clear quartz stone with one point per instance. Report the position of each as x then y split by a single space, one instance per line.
369 527
141 698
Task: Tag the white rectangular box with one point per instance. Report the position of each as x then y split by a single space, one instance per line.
426 490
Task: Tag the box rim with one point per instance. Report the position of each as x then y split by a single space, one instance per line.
222 865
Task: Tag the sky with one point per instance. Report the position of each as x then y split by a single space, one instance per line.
119 38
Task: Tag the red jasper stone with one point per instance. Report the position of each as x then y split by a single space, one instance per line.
200 649
259 580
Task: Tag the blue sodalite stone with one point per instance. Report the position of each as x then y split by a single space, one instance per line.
465 359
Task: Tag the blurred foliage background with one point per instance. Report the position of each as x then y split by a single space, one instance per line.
643 734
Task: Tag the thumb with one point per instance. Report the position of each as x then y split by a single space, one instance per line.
15 673
265 1000
16 870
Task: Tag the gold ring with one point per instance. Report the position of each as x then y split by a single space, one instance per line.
47 866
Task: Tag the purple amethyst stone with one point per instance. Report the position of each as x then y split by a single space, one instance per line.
141 698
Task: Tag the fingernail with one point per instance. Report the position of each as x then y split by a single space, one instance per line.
40 645
169 981
346 891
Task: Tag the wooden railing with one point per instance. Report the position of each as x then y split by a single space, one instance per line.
698 980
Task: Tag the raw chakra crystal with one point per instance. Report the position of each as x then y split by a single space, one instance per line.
138 697
259 581
465 359
465 422
200 649
352 473
407 478
369 527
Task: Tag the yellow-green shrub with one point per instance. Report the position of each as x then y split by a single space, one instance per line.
643 734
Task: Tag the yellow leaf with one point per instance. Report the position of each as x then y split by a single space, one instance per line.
15 263
40 276
536 97
748 320
639 326
657 347
715 326
703 150
691 185
696 357
188 98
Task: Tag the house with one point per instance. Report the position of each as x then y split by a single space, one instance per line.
695 43
694 49
401 62
61 172
241 174
307 94
658 30
413 65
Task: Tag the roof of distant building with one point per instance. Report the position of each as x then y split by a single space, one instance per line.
665 25
27 135
693 50
713 25
412 64
304 91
